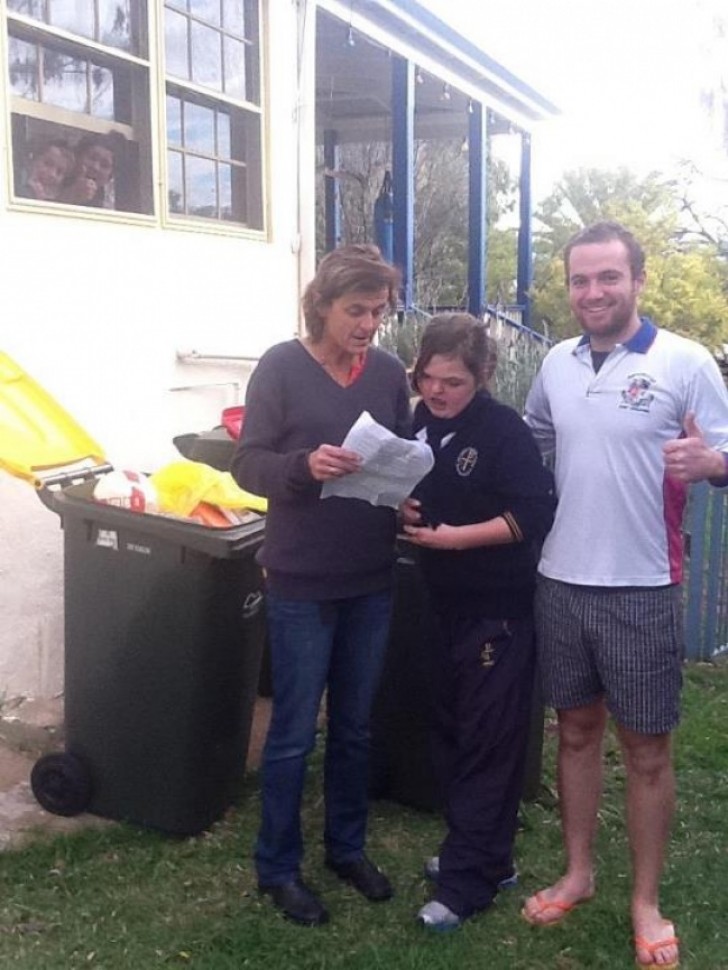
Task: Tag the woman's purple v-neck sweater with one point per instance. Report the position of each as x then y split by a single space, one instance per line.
314 548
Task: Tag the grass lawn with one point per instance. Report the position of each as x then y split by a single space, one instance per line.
124 899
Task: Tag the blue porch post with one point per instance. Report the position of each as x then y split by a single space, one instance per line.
525 262
477 155
332 209
403 137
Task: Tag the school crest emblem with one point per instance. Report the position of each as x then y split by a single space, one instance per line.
637 396
466 461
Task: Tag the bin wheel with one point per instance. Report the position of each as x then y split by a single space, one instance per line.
61 784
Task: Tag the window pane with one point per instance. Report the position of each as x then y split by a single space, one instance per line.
114 27
31 8
233 17
76 16
115 23
174 121
226 191
214 147
175 189
64 81
175 44
223 134
23 69
201 187
199 128
102 92
206 57
240 197
206 9
235 68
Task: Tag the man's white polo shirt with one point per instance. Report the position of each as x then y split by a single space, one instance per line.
618 522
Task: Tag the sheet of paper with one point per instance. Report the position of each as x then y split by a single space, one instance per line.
391 466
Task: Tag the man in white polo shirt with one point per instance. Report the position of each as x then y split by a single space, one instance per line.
631 414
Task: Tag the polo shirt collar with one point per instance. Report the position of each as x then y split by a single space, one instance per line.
640 343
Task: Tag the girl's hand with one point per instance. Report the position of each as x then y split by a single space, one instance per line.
409 511
443 537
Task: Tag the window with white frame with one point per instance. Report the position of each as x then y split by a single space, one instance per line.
82 74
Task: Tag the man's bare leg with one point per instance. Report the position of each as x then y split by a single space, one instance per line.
581 730
650 806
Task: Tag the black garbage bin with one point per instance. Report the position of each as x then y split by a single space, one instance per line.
401 767
164 631
401 762
215 447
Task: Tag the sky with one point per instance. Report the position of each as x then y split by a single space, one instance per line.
626 75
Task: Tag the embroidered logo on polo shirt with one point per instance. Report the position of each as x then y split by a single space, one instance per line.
637 395
466 461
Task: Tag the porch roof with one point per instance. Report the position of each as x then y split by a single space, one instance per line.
354 75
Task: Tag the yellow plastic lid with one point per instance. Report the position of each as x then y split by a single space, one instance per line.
36 434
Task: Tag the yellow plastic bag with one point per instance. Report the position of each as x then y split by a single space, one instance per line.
182 485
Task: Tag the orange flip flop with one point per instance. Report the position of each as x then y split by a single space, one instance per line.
652 948
561 905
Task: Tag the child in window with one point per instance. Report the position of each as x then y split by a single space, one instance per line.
49 167
91 178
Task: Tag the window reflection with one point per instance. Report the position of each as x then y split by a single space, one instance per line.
58 163
79 84
76 16
225 178
115 23
109 22
206 56
175 44
31 8
201 187
206 9
235 68
218 49
233 17
223 134
214 186
174 121
23 69
64 81
81 115
89 107
102 92
175 182
199 128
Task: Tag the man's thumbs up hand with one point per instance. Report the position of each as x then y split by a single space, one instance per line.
688 458
690 426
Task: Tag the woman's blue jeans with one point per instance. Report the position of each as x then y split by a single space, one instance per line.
337 645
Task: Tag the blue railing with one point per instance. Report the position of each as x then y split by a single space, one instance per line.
706 573
512 314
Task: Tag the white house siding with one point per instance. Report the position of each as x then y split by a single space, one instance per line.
96 311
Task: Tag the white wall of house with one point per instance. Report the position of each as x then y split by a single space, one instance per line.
97 307
96 310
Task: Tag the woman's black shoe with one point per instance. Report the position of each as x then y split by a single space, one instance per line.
297 903
365 877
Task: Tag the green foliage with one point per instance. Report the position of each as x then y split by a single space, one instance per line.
519 358
687 280
519 355
687 292
501 261
440 215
